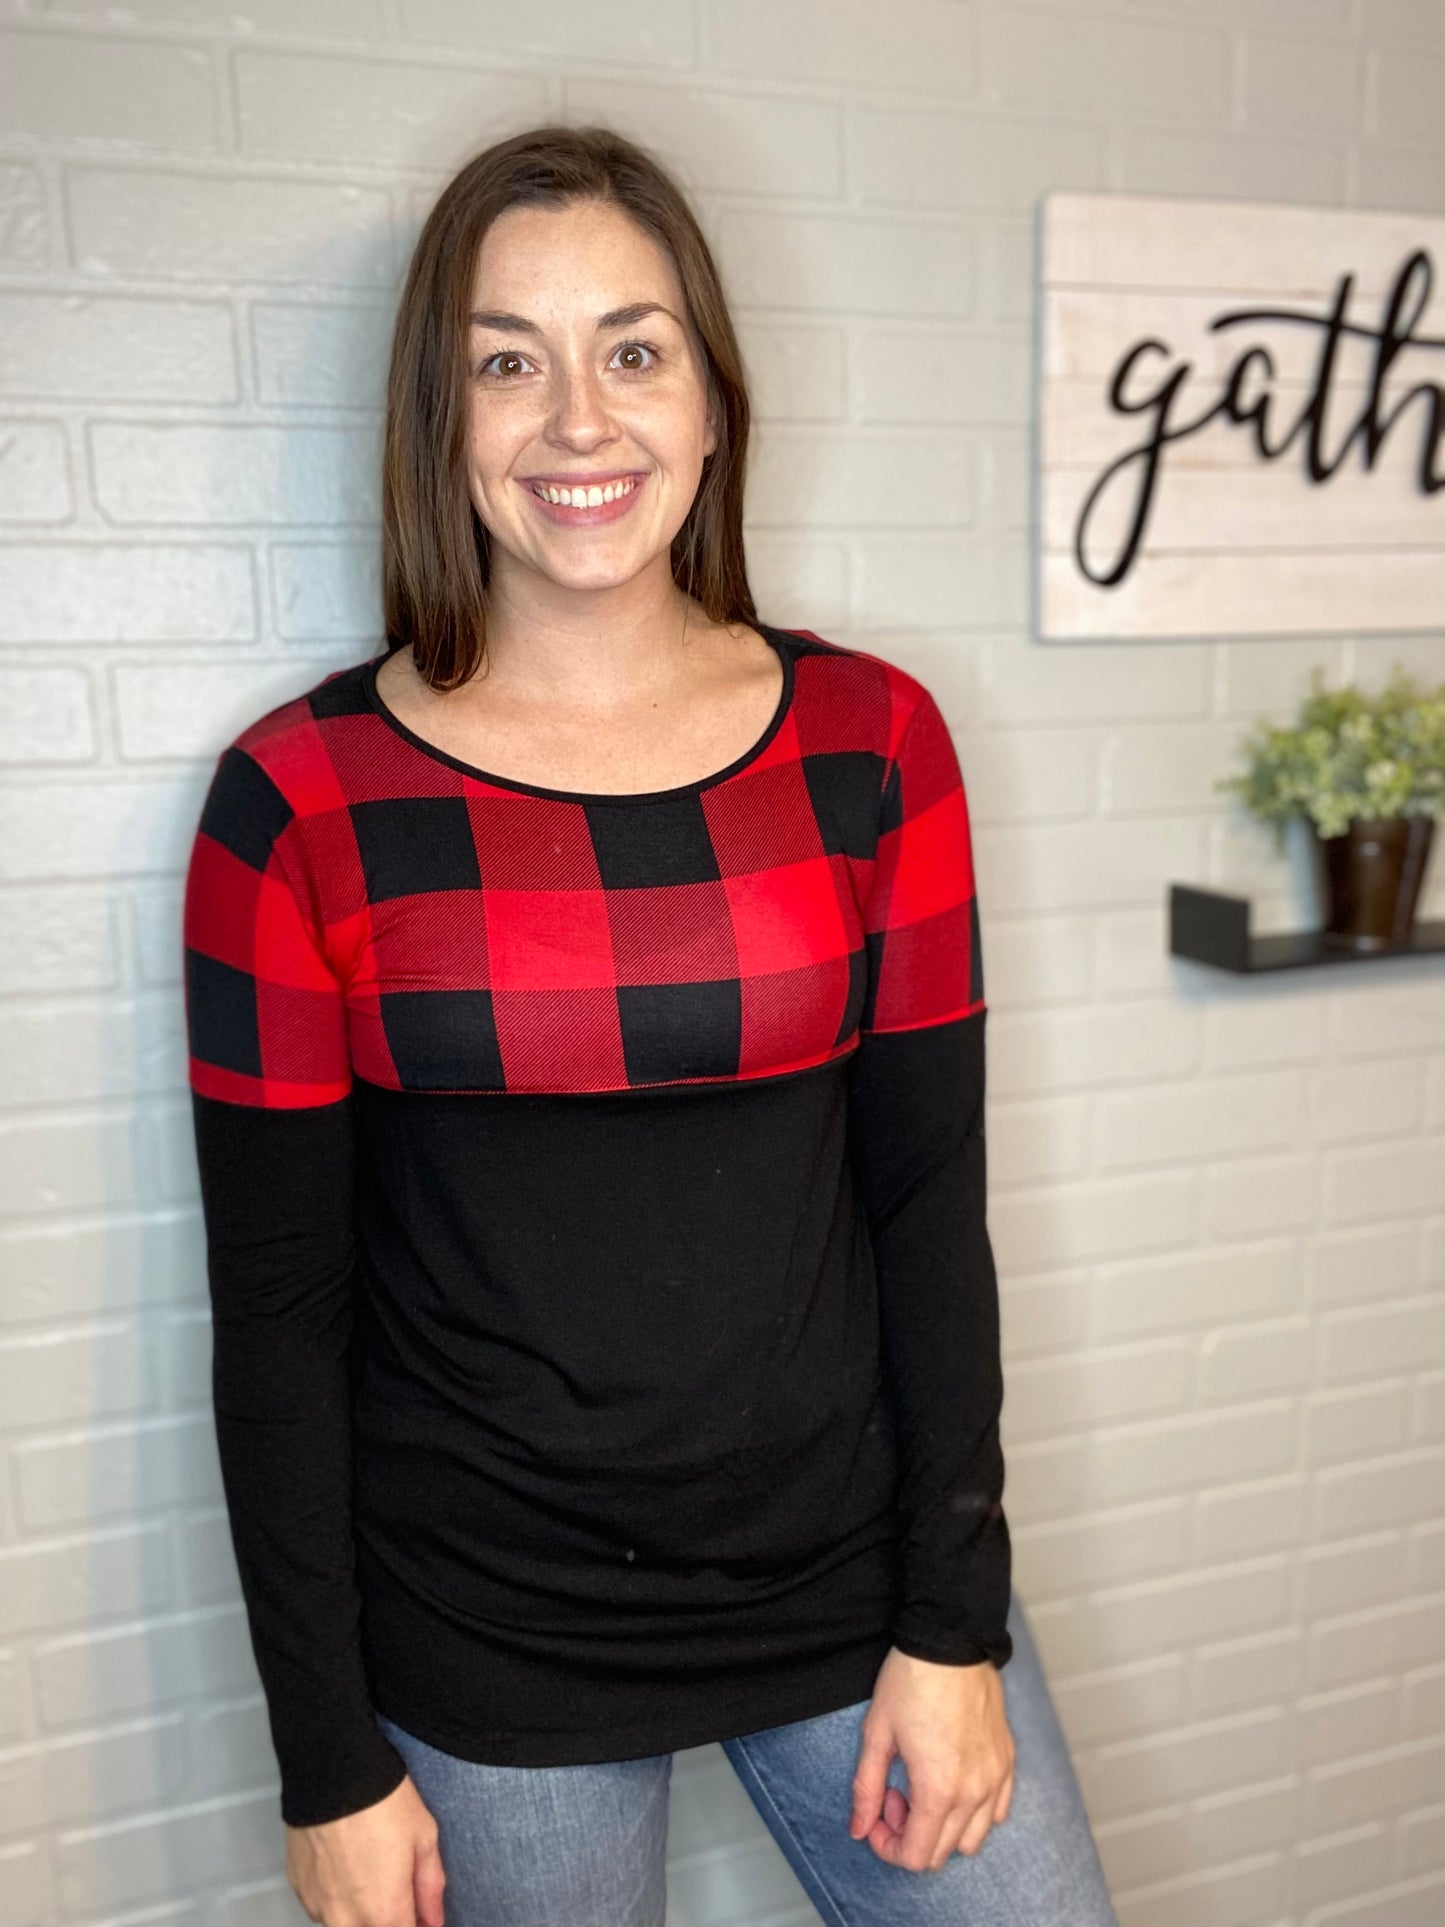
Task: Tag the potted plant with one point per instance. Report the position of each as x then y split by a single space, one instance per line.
1367 773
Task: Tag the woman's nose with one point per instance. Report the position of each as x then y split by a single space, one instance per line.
577 403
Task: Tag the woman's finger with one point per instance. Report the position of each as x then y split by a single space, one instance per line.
979 1822
928 1813
875 1754
428 1886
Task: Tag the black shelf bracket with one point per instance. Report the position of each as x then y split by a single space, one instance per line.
1208 927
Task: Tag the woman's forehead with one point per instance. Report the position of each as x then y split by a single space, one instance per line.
582 254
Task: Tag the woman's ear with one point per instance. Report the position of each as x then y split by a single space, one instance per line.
714 416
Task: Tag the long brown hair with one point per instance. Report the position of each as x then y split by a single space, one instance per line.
435 562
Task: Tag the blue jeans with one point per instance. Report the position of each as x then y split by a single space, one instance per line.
585 1846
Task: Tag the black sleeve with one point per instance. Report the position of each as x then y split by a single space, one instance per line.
270 1078
916 1133
277 1189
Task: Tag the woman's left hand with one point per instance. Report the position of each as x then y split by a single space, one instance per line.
948 1723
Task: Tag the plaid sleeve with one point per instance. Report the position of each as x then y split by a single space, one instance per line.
265 1015
925 959
275 1152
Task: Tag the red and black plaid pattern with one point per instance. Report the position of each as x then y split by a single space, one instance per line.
361 904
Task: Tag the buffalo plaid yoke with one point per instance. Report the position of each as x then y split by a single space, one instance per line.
360 904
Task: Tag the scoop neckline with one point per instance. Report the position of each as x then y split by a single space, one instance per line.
621 798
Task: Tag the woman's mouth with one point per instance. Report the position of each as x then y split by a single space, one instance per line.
586 504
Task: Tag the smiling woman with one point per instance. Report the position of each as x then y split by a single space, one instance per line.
612 426
586 1015
503 372
576 493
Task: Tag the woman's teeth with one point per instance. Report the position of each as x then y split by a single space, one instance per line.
584 498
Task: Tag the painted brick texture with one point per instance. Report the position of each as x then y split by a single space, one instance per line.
1218 1208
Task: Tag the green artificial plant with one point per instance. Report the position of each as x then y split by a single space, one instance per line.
1349 755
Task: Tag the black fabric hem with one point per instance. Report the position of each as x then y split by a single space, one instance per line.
961 1651
309 1809
707 1711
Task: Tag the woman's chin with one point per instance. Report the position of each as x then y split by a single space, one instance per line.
587 574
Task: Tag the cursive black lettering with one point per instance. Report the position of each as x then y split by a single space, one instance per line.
1249 394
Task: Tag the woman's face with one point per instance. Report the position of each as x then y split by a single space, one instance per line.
581 374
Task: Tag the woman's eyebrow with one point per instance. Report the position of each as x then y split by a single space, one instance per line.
614 318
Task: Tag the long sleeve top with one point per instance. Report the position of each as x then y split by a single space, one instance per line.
605 1325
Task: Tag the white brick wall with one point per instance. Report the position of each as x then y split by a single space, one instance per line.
1218 1206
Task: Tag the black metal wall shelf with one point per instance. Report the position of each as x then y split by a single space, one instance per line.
1209 927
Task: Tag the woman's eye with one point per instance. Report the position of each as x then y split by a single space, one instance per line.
635 348
507 363
502 355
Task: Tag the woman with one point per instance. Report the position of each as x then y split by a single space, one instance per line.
586 1023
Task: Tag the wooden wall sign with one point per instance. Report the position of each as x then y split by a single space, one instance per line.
1241 424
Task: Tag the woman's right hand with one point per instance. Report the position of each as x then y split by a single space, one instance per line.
376 1868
